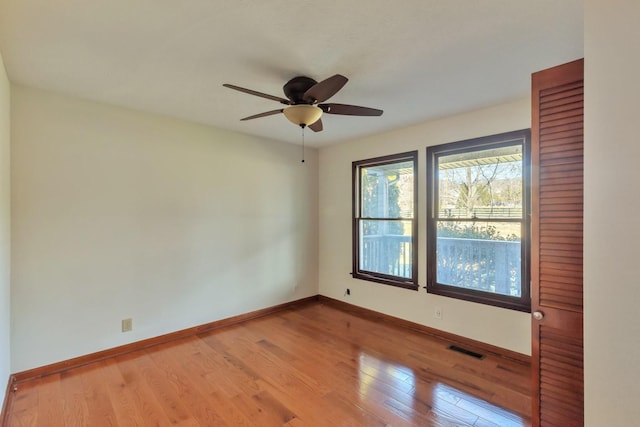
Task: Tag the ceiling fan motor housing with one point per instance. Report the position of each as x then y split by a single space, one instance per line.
295 88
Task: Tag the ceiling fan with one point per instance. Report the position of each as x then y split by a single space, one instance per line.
305 100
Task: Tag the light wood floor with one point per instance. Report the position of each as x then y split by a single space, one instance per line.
313 365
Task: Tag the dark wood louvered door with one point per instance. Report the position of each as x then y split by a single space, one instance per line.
556 246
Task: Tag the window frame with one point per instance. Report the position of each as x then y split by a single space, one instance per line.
357 217
522 303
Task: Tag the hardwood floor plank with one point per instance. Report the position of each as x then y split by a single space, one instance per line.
21 412
219 369
126 410
76 410
141 396
151 384
263 409
294 382
96 396
373 396
185 386
313 365
190 363
359 414
50 407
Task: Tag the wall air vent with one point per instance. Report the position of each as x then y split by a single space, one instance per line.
467 352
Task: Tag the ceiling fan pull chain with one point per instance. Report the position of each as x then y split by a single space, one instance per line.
302 127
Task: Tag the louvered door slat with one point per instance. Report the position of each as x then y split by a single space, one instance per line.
549 99
556 248
559 134
554 113
569 149
575 168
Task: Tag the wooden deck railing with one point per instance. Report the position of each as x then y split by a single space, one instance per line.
387 254
486 265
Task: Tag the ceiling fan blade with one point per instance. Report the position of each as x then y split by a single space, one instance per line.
316 126
349 110
268 113
325 89
260 94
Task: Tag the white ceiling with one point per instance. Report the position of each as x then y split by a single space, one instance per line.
415 59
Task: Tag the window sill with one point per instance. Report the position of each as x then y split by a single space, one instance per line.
386 281
486 298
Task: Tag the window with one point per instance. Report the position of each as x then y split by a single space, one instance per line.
384 220
477 220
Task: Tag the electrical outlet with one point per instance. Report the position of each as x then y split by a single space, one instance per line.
437 313
127 325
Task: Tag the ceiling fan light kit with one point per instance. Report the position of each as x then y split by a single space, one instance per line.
305 99
303 115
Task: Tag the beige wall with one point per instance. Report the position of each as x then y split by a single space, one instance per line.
500 327
612 206
5 230
122 214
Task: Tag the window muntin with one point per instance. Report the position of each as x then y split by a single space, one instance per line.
477 227
384 220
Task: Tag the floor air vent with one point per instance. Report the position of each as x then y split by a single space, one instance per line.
467 352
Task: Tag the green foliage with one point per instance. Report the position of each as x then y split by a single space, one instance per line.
473 231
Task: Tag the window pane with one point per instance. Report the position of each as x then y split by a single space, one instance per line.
387 190
478 199
384 223
481 184
385 247
481 256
